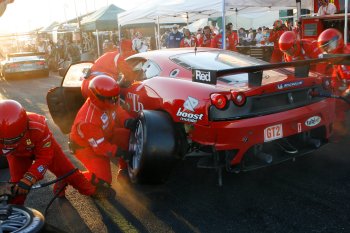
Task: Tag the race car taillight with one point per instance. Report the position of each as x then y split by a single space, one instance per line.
13 65
40 63
218 100
238 98
327 83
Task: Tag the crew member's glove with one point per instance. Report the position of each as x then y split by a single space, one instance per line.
130 123
24 185
346 93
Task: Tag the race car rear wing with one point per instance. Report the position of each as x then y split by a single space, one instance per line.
255 73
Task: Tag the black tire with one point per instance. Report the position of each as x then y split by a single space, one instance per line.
152 147
3 162
23 220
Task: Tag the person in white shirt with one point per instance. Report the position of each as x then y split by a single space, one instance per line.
138 44
326 8
259 36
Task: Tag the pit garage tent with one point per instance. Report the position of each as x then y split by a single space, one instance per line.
104 19
189 11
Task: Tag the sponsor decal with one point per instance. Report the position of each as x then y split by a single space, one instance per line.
92 142
312 121
137 106
104 118
289 85
189 117
41 169
114 115
191 103
47 144
204 76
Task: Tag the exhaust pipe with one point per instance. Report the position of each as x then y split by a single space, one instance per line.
316 143
267 158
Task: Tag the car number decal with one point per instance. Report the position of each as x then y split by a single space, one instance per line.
273 132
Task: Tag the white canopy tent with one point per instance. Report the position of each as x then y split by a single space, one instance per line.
176 11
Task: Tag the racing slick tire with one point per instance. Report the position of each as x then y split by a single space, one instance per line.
22 219
152 148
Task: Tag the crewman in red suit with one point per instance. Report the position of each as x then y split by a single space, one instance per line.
231 41
205 39
31 150
188 40
111 64
98 132
275 34
295 49
331 41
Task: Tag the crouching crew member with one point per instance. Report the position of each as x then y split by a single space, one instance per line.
97 133
31 150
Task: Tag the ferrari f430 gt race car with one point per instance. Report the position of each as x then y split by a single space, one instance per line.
243 112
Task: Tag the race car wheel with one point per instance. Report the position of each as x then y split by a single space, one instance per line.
152 147
21 219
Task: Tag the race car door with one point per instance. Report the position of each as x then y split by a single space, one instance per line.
65 101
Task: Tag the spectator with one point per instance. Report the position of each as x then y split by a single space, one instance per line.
242 35
216 42
164 38
188 40
205 40
288 25
259 37
250 36
138 44
275 34
199 34
108 46
73 51
326 8
174 38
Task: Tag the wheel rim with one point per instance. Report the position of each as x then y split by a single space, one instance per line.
17 221
137 147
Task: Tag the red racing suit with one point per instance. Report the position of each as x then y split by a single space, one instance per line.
96 135
106 64
275 35
188 42
205 40
37 152
216 42
341 85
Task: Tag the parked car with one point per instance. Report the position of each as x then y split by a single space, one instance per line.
243 112
24 64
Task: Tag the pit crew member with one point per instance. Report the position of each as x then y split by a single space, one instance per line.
97 133
31 150
275 34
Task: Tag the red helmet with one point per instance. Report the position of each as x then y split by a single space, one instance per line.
330 41
13 122
104 91
289 43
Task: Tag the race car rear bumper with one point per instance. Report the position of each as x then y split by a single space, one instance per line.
243 134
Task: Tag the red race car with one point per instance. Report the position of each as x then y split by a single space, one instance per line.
242 112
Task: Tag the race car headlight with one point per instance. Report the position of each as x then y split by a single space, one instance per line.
218 100
238 98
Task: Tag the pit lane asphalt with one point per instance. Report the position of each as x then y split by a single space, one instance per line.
311 194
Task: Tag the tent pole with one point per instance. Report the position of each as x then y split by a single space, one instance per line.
346 22
237 24
120 37
187 19
298 2
223 26
158 36
98 44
